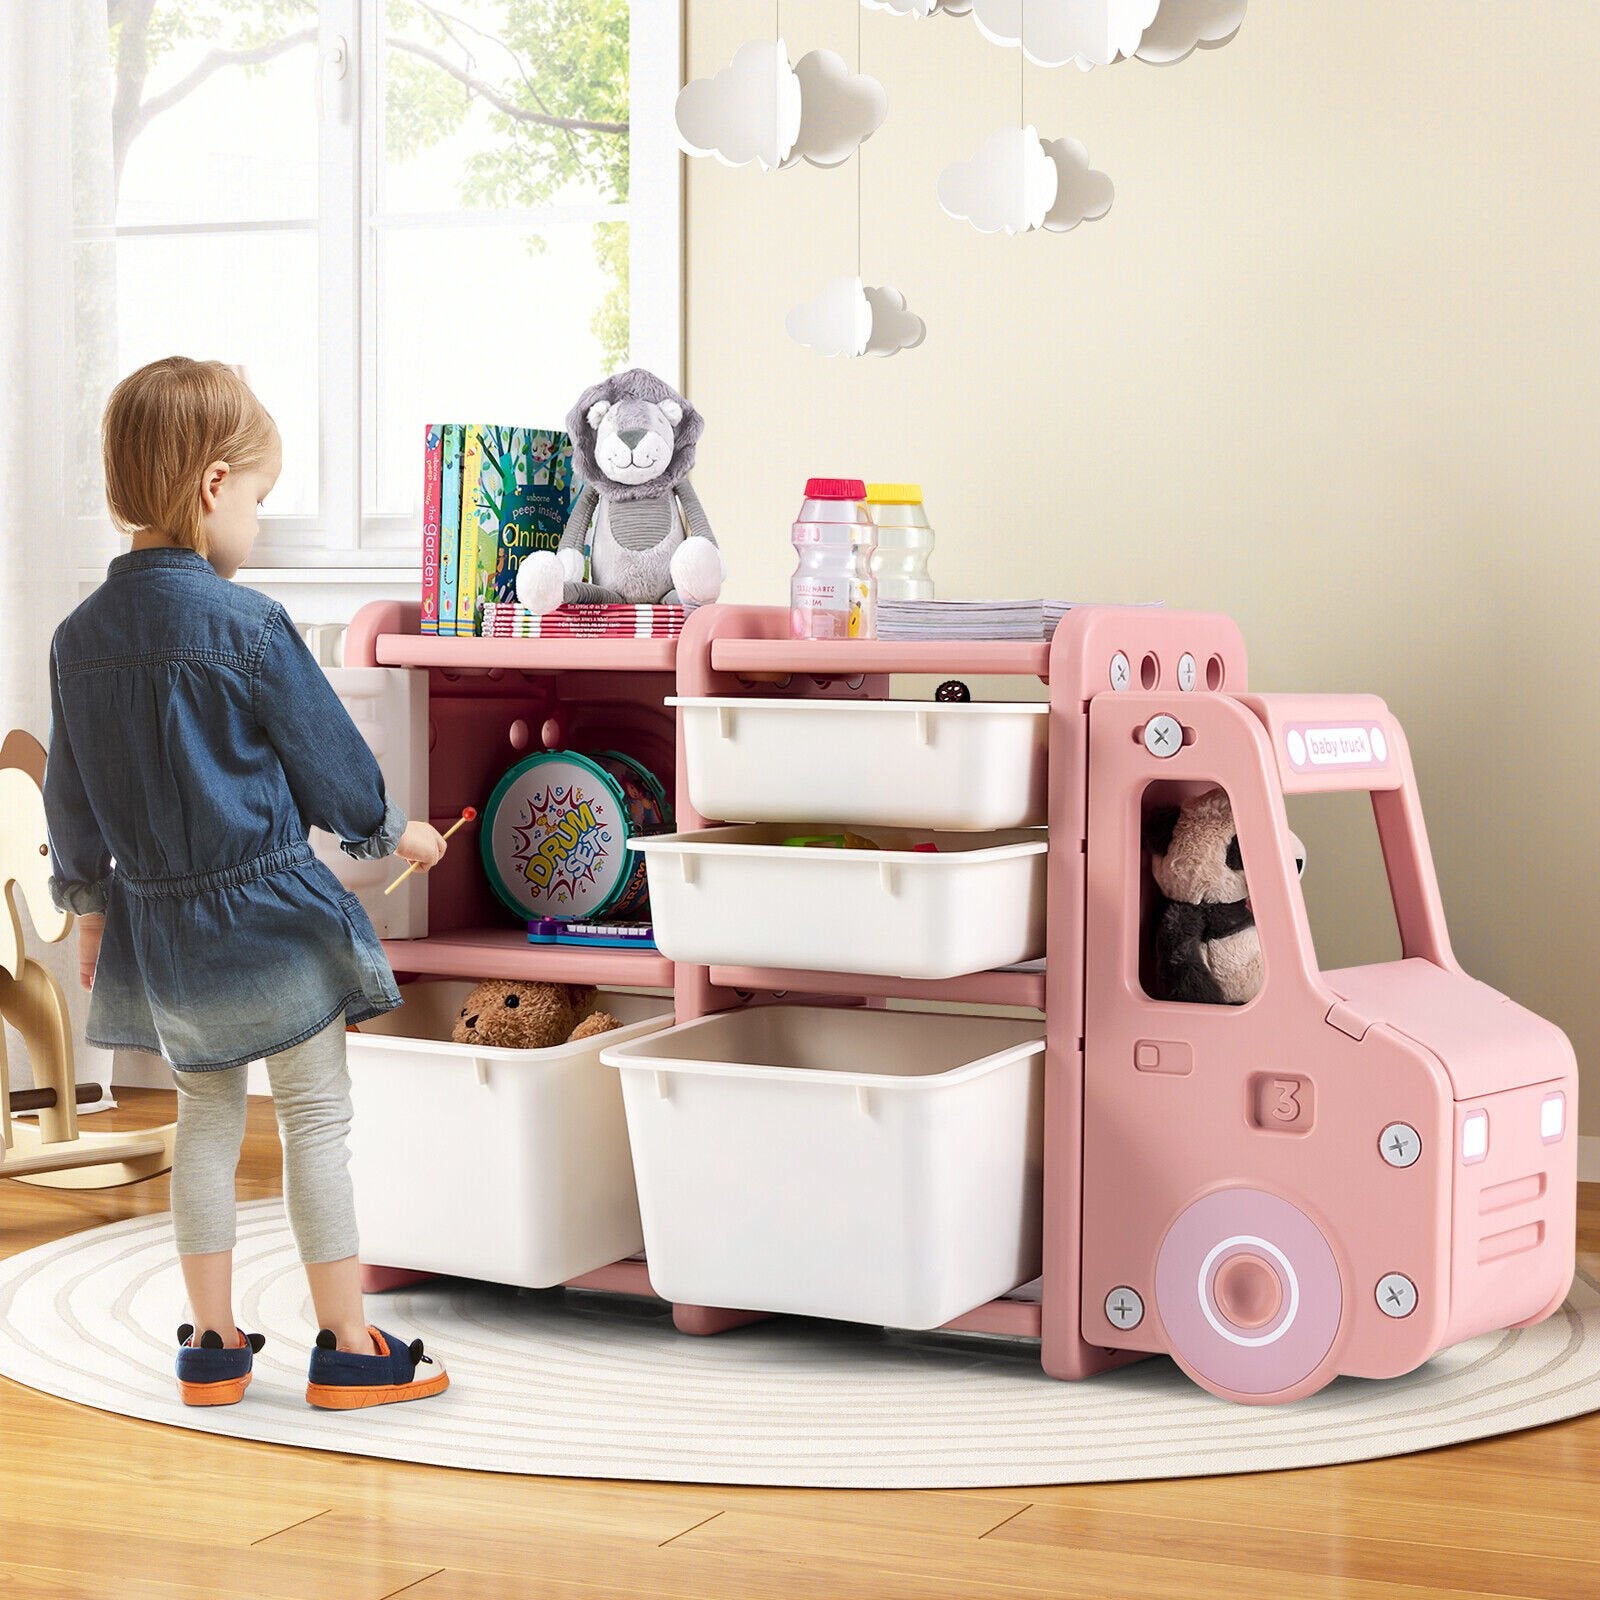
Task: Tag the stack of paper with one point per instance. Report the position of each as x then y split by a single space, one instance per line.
971 619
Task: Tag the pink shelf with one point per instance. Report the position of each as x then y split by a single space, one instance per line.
478 953
621 1277
846 657
976 988
1019 1317
532 655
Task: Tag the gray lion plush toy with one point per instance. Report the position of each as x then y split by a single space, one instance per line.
649 542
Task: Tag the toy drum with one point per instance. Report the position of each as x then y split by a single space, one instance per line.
555 834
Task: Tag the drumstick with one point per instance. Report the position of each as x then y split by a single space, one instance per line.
466 816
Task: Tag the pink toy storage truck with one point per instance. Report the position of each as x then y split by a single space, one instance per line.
1343 1176
1352 1170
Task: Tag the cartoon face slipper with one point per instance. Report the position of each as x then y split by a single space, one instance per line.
342 1380
209 1372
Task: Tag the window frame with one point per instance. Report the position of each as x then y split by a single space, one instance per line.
344 535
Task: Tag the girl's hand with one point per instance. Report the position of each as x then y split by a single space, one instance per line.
89 930
422 845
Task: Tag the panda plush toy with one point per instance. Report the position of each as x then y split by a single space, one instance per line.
1207 949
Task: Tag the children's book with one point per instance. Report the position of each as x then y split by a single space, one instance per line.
449 524
583 622
524 492
432 489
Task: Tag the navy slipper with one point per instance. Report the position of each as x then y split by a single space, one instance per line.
342 1380
209 1372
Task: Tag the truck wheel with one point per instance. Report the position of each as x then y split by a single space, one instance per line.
1250 1296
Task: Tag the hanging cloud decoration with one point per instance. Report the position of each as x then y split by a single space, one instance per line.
920 8
837 323
839 110
750 111
1093 33
1183 26
894 328
850 319
1010 183
1082 193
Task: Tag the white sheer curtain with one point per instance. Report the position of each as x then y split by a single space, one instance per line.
57 347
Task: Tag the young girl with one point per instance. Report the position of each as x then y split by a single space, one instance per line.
193 740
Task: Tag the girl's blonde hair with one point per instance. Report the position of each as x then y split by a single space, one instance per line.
164 425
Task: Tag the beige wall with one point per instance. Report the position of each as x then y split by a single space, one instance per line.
1331 364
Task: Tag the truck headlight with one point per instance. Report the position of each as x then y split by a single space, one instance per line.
1552 1117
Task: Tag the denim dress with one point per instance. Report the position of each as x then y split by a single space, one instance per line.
193 740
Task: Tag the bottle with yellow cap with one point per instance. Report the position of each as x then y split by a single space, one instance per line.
905 541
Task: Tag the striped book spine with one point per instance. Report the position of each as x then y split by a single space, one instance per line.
449 525
467 611
432 490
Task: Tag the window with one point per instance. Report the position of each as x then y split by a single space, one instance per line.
388 212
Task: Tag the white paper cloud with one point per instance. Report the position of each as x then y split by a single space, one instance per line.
849 319
750 111
1182 26
904 8
1010 183
839 109
1094 33
837 323
920 8
1082 193
894 328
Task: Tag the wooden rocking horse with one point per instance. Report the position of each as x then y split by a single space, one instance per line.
53 1151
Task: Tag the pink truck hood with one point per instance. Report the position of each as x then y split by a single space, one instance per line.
1485 1042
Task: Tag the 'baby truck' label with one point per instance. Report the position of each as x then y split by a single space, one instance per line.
1312 746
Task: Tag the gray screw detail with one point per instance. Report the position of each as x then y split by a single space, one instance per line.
1187 672
1397 1295
1121 672
1400 1144
1163 736
1124 1308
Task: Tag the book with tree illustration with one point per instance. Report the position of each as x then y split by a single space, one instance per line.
523 494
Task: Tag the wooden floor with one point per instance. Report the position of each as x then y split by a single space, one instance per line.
102 1506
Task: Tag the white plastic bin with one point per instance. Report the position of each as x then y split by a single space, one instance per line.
904 763
506 1165
741 897
874 1166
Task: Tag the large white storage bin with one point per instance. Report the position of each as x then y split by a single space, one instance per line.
741 897
506 1165
905 763
875 1166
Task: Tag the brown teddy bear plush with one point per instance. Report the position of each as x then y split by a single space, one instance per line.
528 1016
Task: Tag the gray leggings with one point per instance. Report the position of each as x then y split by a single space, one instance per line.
311 1093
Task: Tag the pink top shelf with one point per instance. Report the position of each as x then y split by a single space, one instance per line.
846 657
998 988
541 655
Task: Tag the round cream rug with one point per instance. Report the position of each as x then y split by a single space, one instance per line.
602 1386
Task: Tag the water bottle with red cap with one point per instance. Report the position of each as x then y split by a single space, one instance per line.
832 593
